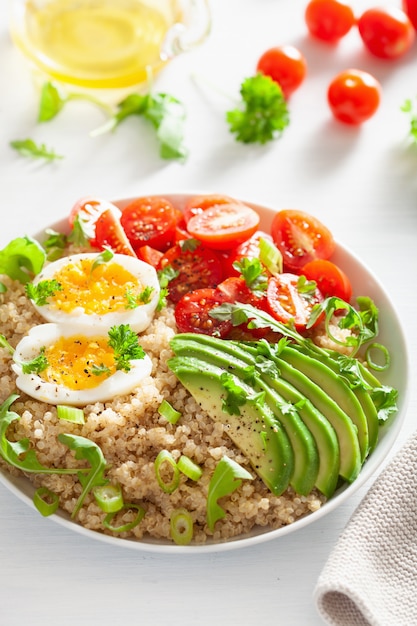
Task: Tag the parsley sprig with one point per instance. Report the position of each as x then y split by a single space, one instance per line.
124 342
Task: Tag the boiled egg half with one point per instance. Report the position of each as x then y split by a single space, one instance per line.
63 364
85 289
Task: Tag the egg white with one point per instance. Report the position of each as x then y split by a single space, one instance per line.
138 318
119 383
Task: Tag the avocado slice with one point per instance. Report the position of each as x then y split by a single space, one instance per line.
253 429
306 458
335 387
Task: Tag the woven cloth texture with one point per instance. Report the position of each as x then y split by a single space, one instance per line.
370 577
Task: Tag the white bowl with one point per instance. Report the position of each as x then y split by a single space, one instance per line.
391 335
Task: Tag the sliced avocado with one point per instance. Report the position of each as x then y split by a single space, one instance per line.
306 458
236 357
254 430
335 387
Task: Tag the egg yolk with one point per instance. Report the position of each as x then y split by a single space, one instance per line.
99 290
79 362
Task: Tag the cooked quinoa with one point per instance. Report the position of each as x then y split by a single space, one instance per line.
131 432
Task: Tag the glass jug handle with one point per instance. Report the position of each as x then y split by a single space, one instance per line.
186 35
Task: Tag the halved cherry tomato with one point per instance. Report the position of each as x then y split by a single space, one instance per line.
330 279
301 238
150 255
110 234
354 96
198 204
192 313
150 221
410 7
386 32
88 209
287 304
285 65
224 226
197 267
235 289
248 249
329 20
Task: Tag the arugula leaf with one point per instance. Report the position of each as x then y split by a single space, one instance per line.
29 148
90 451
21 258
263 114
124 342
40 293
225 480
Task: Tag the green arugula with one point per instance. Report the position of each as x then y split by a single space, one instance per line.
225 480
42 291
29 148
22 259
124 342
263 114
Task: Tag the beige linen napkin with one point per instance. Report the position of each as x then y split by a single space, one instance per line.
370 577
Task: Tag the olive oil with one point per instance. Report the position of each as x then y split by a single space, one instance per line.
97 44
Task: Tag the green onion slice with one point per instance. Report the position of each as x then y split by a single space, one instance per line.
189 468
385 354
46 501
270 256
182 527
165 464
70 414
109 498
167 410
125 527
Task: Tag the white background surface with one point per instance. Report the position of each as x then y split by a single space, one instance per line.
362 183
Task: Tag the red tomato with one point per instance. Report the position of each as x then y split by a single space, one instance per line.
198 204
150 221
287 304
248 249
300 238
386 32
192 313
285 65
329 20
235 289
149 255
410 7
88 209
330 279
110 234
224 226
354 96
197 268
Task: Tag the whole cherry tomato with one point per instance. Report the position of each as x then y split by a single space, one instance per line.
285 65
354 96
329 20
386 32
410 7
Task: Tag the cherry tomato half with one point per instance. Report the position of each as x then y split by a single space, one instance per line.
410 7
249 249
110 234
150 221
198 204
301 238
285 65
354 96
330 279
192 313
287 304
197 267
329 20
88 209
386 32
224 226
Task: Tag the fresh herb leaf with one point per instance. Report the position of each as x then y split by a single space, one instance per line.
189 245
136 299
42 291
36 365
411 109
54 244
263 114
164 278
5 344
124 342
29 148
51 102
81 232
21 259
385 400
225 480
235 397
253 273
99 370
102 258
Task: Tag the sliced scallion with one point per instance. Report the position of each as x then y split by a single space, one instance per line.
109 498
165 464
385 354
270 256
181 526
189 468
70 414
167 410
46 501
124 527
